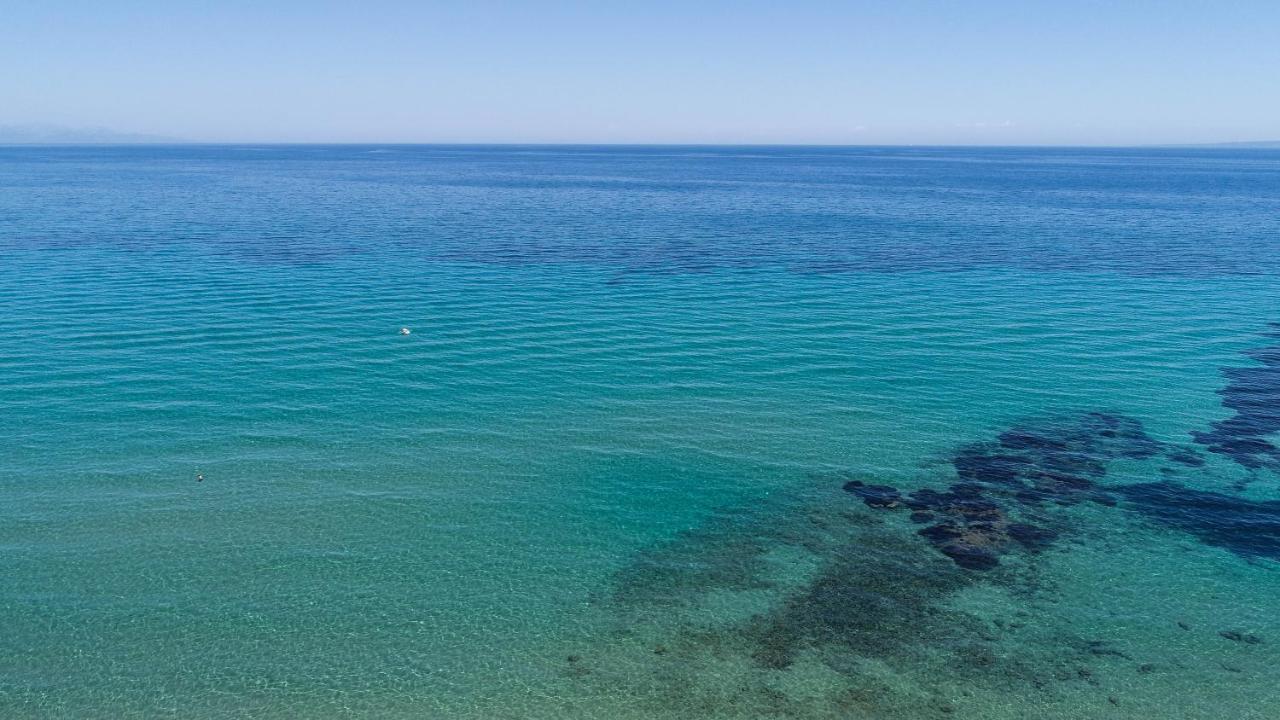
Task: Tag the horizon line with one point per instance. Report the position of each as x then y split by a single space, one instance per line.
1260 144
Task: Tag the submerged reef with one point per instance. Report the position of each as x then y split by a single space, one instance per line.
1029 467
879 602
799 585
1249 528
799 605
971 529
1254 394
1039 465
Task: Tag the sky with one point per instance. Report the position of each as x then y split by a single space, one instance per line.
1055 72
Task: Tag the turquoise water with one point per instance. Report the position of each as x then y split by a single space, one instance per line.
603 477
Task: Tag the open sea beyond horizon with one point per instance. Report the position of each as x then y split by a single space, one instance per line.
677 432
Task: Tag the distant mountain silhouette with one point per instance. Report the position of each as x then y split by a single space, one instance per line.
60 135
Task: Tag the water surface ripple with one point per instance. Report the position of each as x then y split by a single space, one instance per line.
679 432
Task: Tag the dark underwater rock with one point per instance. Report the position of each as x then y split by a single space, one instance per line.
1056 461
1185 456
925 499
1030 440
1237 636
1102 648
977 464
1254 394
1073 464
1102 498
974 546
1032 537
1239 443
1249 528
1029 467
972 509
970 557
941 533
876 496
880 600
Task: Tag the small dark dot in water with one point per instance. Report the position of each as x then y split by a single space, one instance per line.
200 478
1183 625
1231 668
1112 699
1146 668
1237 636
574 658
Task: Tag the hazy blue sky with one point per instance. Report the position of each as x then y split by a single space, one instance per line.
1031 71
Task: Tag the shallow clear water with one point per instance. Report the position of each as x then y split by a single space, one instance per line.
602 478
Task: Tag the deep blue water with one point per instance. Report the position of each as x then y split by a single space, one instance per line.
683 432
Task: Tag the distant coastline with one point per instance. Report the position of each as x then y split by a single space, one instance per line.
40 134
50 134
1244 144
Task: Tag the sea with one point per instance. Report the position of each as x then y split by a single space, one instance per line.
674 432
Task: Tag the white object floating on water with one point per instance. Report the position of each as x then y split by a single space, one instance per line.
405 331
